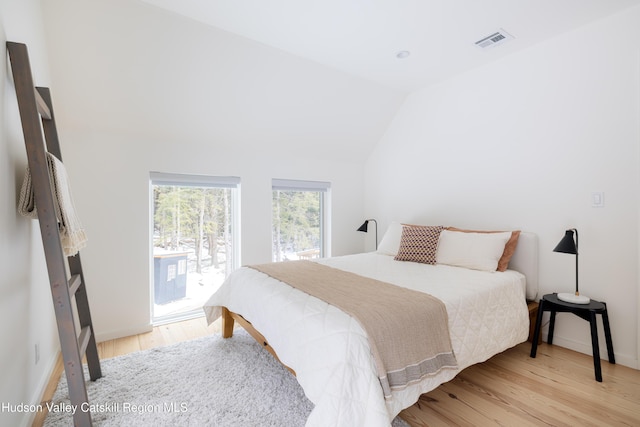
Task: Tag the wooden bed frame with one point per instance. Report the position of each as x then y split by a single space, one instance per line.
228 321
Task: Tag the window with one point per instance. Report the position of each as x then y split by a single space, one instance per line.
300 221
195 238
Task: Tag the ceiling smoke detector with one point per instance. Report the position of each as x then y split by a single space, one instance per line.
495 39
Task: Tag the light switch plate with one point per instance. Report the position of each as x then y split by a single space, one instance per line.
597 199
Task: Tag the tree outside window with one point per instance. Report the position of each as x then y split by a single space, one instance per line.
299 221
193 239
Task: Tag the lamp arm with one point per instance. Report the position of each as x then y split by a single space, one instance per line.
376 222
577 292
376 233
577 252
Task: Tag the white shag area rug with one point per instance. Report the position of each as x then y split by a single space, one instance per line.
209 381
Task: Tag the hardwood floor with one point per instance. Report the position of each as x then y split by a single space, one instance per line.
511 389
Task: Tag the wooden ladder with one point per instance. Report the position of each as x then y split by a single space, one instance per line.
36 113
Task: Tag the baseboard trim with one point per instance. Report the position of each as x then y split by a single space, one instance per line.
580 347
120 333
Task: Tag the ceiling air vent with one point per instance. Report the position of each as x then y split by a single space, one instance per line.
495 39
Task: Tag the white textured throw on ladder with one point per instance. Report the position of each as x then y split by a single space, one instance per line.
72 233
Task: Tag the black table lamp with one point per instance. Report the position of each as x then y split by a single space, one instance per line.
365 226
568 246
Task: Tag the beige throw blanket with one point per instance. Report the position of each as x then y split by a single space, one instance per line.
408 330
72 235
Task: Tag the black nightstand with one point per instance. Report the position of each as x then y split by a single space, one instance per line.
551 303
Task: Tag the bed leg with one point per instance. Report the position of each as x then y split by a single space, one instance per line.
227 323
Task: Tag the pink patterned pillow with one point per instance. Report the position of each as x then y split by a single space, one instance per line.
419 243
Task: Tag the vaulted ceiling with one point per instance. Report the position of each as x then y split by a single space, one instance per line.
275 76
135 71
363 37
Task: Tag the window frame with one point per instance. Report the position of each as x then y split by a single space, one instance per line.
200 181
322 187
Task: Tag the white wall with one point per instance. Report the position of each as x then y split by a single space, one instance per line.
522 143
26 309
112 192
138 89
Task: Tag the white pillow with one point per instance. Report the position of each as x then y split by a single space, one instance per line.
391 240
477 251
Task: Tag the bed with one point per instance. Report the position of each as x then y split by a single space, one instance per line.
329 351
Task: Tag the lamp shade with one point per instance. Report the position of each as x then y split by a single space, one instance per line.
567 245
364 227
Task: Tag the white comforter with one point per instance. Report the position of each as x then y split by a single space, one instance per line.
329 351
